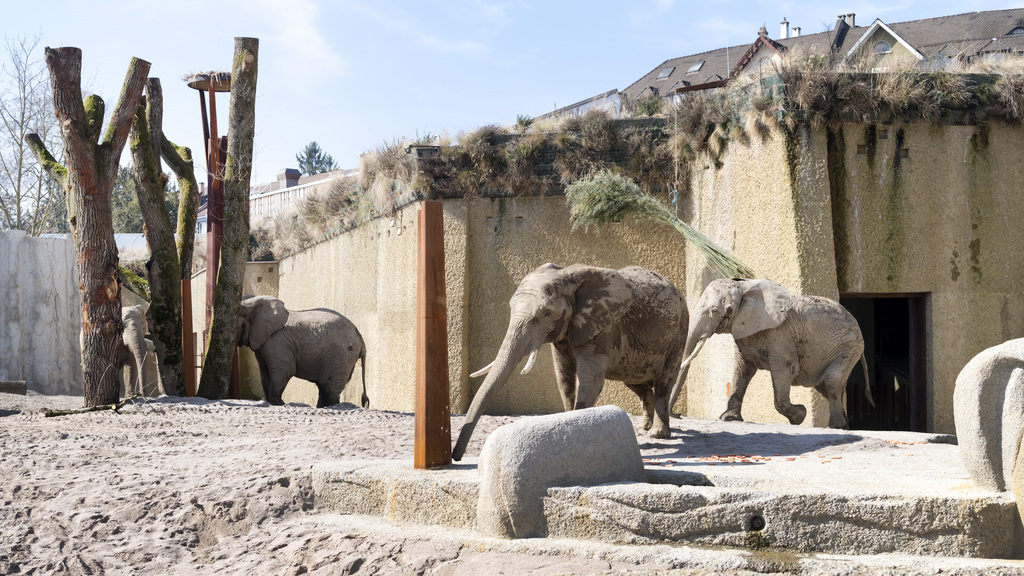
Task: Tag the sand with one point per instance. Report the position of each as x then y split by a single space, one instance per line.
189 486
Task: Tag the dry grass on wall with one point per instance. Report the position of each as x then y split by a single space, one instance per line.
538 156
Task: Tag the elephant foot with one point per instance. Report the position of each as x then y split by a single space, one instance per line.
797 415
661 431
731 416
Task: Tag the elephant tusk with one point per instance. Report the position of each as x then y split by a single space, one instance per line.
482 371
529 361
693 354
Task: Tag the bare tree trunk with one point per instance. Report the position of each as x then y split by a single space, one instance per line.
164 271
228 292
89 180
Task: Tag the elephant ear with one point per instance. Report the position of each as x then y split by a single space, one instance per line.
764 306
268 316
600 299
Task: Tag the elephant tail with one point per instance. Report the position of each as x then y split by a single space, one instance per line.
867 380
362 363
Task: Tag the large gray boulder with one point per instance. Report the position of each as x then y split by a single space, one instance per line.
988 408
520 461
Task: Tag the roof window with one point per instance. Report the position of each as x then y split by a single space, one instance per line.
693 69
1016 31
666 72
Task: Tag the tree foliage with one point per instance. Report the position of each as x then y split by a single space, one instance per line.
313 160
30 199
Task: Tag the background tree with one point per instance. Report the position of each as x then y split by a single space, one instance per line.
227 294
30 199
313 160
124 203
88 181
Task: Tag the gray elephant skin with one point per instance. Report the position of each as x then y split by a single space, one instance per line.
318 345
802 340
627 325
134 353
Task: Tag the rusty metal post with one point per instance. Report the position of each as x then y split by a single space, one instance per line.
433 439
187 345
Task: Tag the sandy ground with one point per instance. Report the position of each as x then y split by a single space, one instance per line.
177 486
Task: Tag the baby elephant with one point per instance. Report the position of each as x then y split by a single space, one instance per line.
318 345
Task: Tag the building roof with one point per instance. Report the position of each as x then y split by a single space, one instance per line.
967 35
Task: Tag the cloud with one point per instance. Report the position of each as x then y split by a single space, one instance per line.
292 28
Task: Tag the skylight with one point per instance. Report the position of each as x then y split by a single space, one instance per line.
693 69
666 72
1016 31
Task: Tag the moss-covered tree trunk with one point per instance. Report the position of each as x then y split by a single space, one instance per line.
163 268
179 158
227 294
88 181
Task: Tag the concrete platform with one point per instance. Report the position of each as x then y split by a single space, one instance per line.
732 484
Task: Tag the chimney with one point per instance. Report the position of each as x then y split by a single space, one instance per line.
796 31
851 19
783 29
288 177
763 31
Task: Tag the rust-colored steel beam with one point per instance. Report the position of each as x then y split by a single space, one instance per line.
433 438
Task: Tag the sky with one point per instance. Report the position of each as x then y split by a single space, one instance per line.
357 75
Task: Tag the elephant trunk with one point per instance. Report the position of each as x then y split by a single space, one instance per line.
697 334
513 348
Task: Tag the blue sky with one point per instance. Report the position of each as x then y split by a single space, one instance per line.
354 75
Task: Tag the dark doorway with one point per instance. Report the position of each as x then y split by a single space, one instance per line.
894 345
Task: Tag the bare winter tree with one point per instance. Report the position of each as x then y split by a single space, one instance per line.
88 180
30 199
227 293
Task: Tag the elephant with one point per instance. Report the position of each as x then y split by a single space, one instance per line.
318 345
802 340
135 353
626 325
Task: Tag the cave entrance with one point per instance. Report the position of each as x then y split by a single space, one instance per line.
895 345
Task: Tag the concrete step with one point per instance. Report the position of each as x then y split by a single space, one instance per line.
762 487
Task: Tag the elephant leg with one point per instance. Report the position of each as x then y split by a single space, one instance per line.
590 373
783 373
833 388
565 374
741 376
646 395
329 393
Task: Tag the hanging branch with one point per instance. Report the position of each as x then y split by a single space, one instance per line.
607 197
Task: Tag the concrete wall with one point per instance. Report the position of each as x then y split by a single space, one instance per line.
861 209
942 221
774 215
871 209
40 314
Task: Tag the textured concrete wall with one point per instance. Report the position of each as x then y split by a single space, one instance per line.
941 221
40 317
369 276
821 213
767 202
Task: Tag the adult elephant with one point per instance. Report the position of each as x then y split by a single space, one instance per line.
318 345
802 340
626 325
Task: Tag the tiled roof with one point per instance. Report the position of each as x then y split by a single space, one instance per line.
968 34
